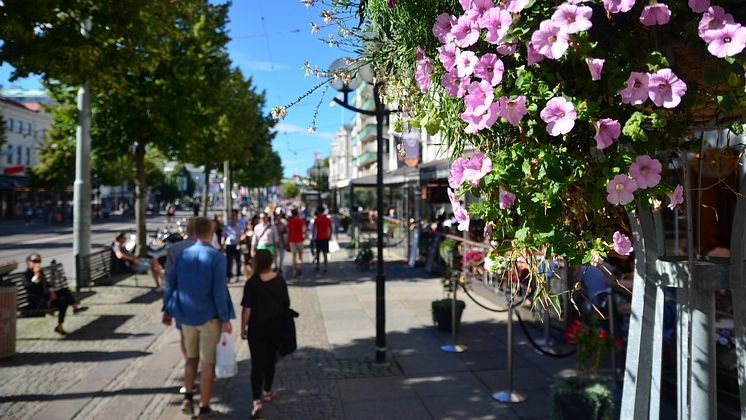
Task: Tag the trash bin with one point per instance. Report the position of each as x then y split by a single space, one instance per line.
7 321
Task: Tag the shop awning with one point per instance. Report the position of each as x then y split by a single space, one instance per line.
397 177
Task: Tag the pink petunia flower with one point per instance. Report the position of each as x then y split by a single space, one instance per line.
655 14
676 197
713 19
465 62
423 70
479 97
726 41
573 19
490 69
497 22
646 171
466 30
480 6
533 55
456 177
618 6
512 110
595 66
515 6
455 86
666 89
620 190
699 6
622 244
447 55
607 130
478 123
559 114
636 91
507 199
476 168
462 217
442 27
550 40
507 48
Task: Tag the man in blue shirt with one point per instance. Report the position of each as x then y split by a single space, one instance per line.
231 235
197 296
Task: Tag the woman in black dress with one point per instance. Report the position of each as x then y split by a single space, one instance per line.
41 295
264 302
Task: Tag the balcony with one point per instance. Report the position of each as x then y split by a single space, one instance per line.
365 159
367 133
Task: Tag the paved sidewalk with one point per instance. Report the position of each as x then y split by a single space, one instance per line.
121 362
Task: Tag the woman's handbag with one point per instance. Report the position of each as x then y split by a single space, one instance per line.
288 342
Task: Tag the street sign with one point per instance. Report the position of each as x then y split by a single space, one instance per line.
10 170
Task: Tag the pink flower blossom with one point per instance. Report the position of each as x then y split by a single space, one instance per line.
620 190
713 19
699 6
550 40
636 91
515 6
665 88
462 217
655 14
447 55
607 130
497 22
466 30
478 123
455 86
646 171
507 199
595 65
533 55
490 69
456 177
622 244
507 49
392 4
572 19
476 168
423 70
559 114
726 41
512 110
618 6
465 62
479 6
442 27
479 97
676 197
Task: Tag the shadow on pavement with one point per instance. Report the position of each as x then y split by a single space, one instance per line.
103 328
93 394
34 359
147 298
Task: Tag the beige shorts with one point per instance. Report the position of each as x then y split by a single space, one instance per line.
201 341
296 248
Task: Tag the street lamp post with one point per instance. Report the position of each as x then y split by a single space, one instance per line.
380 113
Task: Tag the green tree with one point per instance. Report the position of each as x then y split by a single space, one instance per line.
289 190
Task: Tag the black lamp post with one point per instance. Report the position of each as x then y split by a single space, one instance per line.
380 112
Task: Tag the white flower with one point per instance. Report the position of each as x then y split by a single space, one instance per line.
308 3
312 128
328 16
279 113
314 28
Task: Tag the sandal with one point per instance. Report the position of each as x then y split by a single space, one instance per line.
256 411
268 396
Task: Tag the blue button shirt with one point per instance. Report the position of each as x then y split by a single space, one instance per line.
197 289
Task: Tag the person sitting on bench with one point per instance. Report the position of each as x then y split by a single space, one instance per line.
41 296
125 262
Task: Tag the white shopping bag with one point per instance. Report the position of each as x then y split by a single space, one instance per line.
225 357
333 246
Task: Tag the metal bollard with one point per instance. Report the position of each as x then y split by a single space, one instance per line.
510 395
454 347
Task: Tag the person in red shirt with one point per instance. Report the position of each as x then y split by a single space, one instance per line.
322 229
296 235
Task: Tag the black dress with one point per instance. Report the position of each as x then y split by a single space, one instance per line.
38 294
268 302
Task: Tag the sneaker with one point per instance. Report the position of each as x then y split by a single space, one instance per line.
207 413
80 309
187 407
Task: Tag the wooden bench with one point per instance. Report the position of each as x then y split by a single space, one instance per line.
99 269
54 273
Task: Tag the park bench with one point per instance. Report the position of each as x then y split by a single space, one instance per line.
100 269
54 273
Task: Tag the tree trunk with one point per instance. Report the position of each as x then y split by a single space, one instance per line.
141 201
206 190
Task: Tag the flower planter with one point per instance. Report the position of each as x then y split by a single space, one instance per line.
590 401
441 310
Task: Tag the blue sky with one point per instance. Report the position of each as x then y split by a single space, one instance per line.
271 40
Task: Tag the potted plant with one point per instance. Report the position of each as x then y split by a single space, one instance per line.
441 309
586 395
364 256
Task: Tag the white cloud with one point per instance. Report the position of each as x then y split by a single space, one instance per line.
285 128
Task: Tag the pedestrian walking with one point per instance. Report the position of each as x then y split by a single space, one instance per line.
322 230
41 295
296 235
197 297
265 301
283 244
265 236
230 242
